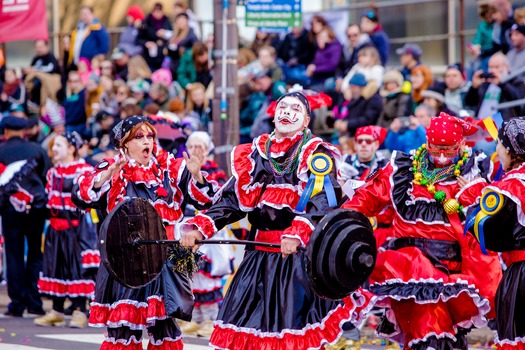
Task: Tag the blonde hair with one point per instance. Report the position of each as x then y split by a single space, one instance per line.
138 68
189 102
372 52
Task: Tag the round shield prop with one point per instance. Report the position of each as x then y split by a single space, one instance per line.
341 254
132 264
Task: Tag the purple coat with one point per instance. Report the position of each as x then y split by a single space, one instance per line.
327 59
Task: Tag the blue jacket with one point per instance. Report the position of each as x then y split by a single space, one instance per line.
96 41
405 141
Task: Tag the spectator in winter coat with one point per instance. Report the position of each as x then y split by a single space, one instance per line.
128 38
151 36
487 92
362 106
13 92
90 37
405 138
194 66
456 88
396 103
296 51
410 57
322 69
371 26
421 78
516 56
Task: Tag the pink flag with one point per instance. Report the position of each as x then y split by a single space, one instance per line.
23 20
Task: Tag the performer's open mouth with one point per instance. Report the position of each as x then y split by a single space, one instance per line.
145 152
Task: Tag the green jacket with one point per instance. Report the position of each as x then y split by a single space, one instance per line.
186 72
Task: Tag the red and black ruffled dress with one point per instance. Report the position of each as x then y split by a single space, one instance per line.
168 186
69 248
217 260
433 280
270 304
501 218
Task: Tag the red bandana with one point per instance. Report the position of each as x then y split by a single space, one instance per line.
377 132
446 130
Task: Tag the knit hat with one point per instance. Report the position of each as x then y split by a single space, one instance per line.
458 67
136 12
371 15
392 76
358 79
434 92
447 130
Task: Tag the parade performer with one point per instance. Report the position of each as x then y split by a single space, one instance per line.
216 260
364 163
270 304
367 160
69 249
498 223
167 183
432 279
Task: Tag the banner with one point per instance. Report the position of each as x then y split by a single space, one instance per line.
273 13
23 20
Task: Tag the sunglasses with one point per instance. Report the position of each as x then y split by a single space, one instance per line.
449 153
366 141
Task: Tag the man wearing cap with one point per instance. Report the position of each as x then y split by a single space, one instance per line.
121 59
269 304
409 56
23 216
362 106
516 55
428 275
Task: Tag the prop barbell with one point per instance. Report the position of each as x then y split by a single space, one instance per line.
340 255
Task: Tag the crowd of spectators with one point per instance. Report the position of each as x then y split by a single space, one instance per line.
162 65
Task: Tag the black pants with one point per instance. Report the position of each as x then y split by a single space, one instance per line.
22 275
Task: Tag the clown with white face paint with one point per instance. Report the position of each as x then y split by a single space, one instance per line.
291 116
270 184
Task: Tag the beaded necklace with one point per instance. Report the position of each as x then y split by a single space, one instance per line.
428 178
289 164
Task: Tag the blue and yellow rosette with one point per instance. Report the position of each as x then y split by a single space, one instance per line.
320 167
491 202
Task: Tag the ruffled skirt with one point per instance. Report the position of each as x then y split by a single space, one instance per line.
270 305
70 262
510 307
426 306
